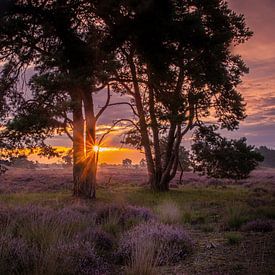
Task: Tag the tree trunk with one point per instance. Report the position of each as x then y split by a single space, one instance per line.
145 140
91 155
85 162
78 145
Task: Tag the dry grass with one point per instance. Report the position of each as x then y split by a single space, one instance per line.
169 212
143 260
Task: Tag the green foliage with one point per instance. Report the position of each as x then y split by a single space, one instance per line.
221 158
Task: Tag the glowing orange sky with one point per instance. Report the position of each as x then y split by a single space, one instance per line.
110 155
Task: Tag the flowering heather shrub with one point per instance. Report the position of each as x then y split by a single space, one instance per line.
5 218
102 241
78 258
40 226
173 242
258 226
68 215
16 257
125 215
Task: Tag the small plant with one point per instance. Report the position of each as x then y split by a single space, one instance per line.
143 259
102 241
169 212
115 217
78 258
258 226
174 243
236 216
233 238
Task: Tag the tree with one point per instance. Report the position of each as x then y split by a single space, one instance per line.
22 161
68 159
63 42
127 163
142 163
177 66
221 158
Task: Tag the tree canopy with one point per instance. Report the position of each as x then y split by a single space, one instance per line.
177 65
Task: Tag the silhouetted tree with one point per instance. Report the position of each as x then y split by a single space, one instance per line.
22 161
142 163
68 159
127 163
221 158
177 66
62 41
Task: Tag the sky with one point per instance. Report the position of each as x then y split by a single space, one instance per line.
258 88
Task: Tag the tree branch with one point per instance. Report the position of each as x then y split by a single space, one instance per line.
113 126
125 103
102 110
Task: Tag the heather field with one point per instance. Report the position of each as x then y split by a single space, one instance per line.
203 226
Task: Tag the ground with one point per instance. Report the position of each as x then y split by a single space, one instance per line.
216 214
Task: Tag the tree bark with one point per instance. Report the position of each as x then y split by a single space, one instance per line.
91 154
84 156
78 145
145 140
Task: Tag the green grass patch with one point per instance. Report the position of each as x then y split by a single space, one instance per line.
49 198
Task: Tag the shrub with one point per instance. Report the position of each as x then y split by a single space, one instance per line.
102 241
169 212
173 242
258 226
123 215
78 258
16 257
236 216
40 226
219 157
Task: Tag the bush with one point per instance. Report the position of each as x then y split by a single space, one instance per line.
40 226
236 216
102 241
173 243
16 257
219 157
125 215
78 258
258 226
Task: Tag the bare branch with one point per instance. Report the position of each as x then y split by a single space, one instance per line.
125 103
113 126
106 104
